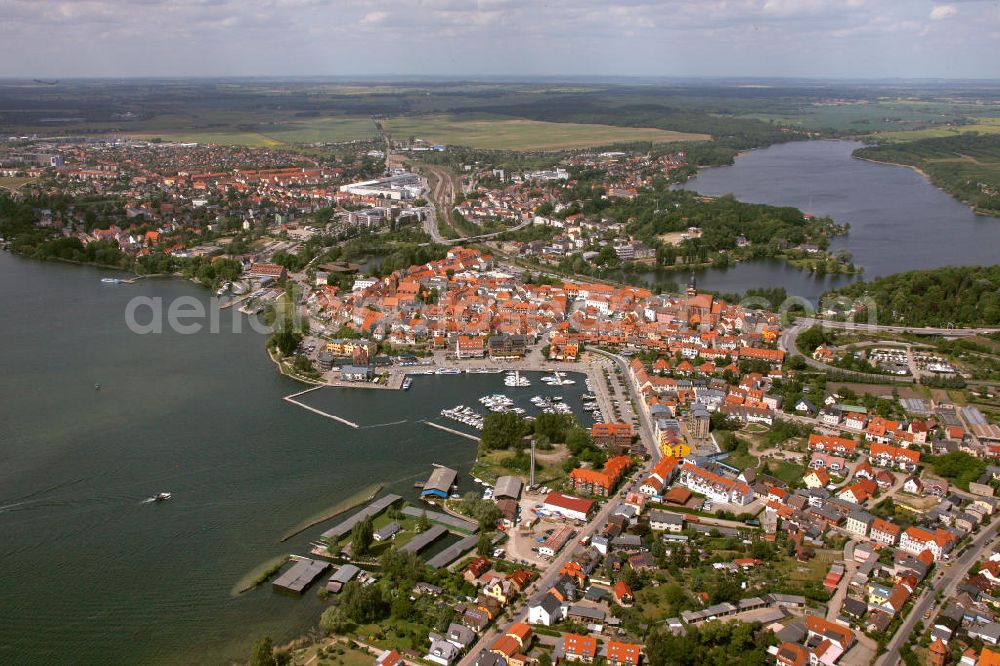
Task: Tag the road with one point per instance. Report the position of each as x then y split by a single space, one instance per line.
787 344
519 610
947 579
917 330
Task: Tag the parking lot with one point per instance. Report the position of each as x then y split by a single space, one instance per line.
523 541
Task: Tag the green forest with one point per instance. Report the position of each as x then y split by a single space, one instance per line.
941 297
967 166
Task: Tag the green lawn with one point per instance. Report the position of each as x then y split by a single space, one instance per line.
788 472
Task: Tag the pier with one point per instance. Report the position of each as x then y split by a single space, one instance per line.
452 431
291 399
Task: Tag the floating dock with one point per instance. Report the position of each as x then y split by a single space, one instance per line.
449 521
424 539
373 509
300 576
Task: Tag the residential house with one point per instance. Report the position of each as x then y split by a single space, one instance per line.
885 532
663 521
442 652
916 540
546 611
619 653
579 648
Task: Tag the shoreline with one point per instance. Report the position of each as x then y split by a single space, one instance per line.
975 209
357 499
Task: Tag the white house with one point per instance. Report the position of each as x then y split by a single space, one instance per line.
547 611
663 521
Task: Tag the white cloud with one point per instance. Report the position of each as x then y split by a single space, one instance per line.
941 12
644 37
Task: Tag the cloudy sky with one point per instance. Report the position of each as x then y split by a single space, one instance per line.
822 38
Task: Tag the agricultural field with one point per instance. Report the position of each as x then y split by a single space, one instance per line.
978 125
520 134
865 116
278 132
475 132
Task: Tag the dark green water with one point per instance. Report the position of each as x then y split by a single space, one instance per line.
91 574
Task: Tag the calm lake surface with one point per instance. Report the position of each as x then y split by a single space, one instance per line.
92 574
899 221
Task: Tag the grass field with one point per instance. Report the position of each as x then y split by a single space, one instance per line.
516 134
14 182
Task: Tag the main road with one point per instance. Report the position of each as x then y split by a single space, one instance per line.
551 573
946 580
955 332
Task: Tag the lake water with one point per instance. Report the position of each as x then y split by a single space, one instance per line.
899 221
92 574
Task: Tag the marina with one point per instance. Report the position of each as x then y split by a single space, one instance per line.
498 402
515 378
465 415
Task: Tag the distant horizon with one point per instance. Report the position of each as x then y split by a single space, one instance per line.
509 78
825 39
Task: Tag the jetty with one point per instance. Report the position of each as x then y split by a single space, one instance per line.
372 510
424 539
452 431
300 576
339 419
308 390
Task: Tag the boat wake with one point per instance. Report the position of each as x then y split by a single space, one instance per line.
37 496
383 425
